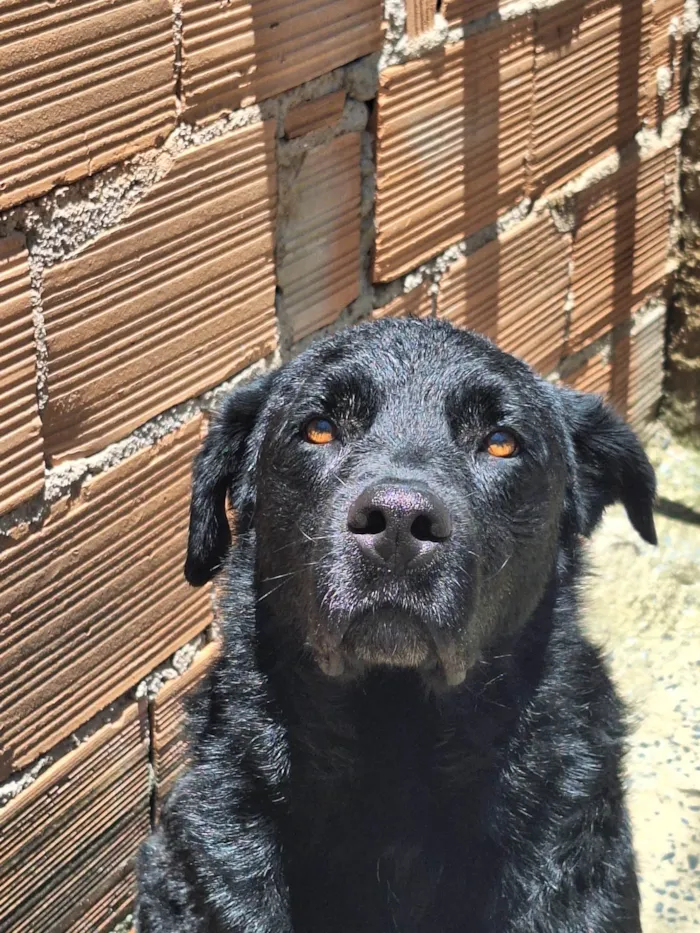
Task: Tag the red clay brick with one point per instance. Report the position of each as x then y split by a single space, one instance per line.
666 51
319 272
67 843
620 376
593 375
588 58
177 298
246 50
452 132
21 458
83 84
416 303
605 373
646 368
420 16
109 909
620 245
655 181
314 115
514 290
458 12
95 599
169 738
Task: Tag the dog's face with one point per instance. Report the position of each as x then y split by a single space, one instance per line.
409 488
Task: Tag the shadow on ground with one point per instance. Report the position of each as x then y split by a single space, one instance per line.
643 607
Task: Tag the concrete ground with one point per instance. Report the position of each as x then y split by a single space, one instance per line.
643 607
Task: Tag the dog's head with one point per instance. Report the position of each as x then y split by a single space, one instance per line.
407 488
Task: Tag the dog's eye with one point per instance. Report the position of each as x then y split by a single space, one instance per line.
320 431
501 443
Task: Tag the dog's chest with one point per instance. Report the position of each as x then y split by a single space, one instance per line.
387 848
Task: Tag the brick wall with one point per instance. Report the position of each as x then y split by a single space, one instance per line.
189 193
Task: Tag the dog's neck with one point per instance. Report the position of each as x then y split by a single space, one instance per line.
336 727
332 727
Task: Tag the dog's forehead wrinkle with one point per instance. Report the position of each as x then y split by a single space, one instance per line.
412 409
410 370
393 348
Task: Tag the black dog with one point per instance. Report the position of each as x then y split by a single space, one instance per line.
407 730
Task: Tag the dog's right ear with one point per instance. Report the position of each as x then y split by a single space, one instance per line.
214 474
611 465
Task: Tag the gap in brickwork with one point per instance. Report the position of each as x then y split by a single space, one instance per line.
177 54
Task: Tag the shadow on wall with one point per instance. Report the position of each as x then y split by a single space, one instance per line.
234 55
498 169
483 133
628 108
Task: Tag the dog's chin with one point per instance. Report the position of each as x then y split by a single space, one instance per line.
390 639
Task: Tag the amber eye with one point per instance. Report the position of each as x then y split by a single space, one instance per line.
501 444
320 431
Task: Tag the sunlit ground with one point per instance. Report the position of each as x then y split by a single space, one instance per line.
643 606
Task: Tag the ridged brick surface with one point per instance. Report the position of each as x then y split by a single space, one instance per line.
589 55
458 12
67 842
83 83
245 50
620 245
174 300
319 273
420 16
116 903
594 375
21 458
514 290
452 133
655 180
646 369
416 303
96 598
606 372
666 51
169 737
314 114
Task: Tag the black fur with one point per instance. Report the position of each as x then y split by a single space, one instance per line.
431 752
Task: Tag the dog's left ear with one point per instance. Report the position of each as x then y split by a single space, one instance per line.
215 474
611 465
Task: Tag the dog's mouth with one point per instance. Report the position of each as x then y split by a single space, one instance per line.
387 637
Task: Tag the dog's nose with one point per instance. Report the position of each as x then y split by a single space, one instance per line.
399 524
